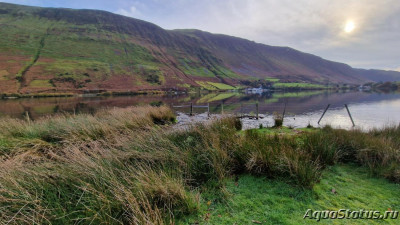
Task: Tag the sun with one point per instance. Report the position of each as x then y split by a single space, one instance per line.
350 26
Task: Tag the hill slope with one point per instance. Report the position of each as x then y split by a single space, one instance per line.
58 50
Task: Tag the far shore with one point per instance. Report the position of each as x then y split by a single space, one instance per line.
91 93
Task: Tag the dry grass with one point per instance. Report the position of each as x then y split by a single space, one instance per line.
72 168
119 167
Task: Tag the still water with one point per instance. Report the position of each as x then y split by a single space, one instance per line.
302 108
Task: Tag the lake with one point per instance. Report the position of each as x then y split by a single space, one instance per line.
368 109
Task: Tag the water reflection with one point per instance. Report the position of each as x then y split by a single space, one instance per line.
368 109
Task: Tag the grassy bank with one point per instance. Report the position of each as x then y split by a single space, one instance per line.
122 166
273 201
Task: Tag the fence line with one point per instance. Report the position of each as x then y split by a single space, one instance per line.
257 107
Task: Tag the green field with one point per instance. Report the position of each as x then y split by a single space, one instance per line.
298 85
274 80
212 86
40 83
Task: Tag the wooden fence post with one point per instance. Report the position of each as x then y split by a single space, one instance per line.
323 114
257 110
284 111
208 109
191 109
222 108
351 118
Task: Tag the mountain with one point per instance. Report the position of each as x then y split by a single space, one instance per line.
379 75
67 50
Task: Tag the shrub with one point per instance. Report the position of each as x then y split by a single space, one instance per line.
238 124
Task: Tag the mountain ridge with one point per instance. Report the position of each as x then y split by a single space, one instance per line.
58 50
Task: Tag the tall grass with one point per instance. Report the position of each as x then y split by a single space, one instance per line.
379 150
119 167
74 169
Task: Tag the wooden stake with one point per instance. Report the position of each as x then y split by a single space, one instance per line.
208 109
323 114
257 110
284 111
351 118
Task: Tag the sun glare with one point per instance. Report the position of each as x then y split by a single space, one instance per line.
349 27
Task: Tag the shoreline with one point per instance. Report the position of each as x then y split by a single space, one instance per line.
10 96
150 92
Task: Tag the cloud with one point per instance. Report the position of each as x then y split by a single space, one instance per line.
133 10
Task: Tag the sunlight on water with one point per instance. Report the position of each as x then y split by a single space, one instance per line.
366 116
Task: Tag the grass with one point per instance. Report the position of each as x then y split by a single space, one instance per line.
207 86
221 86
284 130
40 83
195 69
212 86
3 75
66 168
276 202
123 166
274 80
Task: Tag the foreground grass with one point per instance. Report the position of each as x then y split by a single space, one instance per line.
119 167
257 199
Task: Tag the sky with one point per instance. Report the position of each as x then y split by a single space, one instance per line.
361 33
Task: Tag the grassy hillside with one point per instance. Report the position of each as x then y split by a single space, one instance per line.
65 50
94 50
